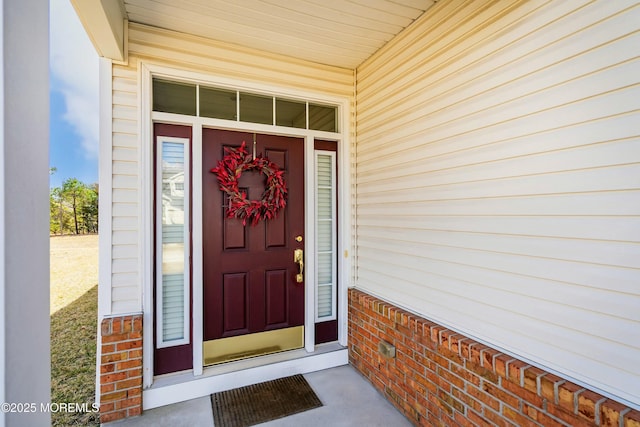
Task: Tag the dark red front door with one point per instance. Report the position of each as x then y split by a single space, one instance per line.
249 271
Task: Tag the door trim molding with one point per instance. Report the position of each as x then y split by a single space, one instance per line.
309 244
148 117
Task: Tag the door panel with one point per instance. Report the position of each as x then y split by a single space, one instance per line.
234 237
235 290
276 297
276 235
249 274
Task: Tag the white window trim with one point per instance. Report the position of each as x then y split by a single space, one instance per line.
334 246
160 342
149 69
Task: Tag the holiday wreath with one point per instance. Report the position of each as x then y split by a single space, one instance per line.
228 171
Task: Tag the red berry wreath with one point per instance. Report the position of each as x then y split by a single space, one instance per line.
229 169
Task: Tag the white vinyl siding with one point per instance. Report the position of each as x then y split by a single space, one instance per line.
231 61
326 242
498 180
218 60
125 282
172 237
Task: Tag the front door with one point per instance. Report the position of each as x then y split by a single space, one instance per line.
253 297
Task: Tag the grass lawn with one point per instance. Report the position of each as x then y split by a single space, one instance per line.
74 268
74 297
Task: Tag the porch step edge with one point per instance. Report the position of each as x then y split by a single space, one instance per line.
204 385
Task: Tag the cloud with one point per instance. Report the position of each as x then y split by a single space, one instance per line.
74 65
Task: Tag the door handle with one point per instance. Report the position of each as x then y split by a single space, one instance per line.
298 256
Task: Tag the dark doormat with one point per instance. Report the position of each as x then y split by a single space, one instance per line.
259 403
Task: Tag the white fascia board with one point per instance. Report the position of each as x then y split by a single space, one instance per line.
104 22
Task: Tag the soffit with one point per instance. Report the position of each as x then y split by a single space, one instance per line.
341 33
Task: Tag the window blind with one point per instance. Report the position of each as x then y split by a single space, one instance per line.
326 261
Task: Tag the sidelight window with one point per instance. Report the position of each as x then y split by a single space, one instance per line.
326 236
172 245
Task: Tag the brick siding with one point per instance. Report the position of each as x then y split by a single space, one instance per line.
121 368
441 378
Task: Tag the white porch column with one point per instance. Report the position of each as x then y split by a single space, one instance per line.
24 211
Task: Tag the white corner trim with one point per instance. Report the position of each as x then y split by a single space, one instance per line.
345 215
105 179
105 169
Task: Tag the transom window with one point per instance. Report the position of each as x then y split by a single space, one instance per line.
217 103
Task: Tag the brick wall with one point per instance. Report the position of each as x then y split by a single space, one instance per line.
440 378
121 368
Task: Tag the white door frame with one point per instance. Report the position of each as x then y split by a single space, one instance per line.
148 117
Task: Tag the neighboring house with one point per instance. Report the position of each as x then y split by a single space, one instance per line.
463 179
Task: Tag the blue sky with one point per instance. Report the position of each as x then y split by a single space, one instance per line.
73 98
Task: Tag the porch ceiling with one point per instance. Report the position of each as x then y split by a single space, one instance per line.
342 33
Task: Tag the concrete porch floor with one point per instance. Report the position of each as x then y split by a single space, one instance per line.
348 400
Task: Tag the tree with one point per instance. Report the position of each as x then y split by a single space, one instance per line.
73 191
73 208
89 209
60 217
